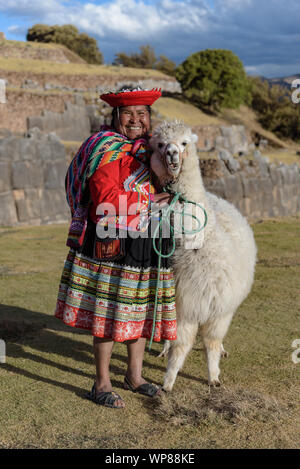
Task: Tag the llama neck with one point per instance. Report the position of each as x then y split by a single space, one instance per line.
191 186
190 182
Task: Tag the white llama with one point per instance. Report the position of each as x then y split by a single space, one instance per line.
213 280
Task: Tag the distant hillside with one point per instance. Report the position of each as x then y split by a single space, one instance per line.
285 82
45 76
38 51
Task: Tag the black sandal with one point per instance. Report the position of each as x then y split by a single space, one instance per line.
147 389
105 398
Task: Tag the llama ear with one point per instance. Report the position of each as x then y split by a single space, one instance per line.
194 138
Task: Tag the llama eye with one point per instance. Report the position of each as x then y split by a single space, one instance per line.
184 144
160 145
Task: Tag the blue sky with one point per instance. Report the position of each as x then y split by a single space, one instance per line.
265 34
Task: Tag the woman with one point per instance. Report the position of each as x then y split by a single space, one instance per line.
108 283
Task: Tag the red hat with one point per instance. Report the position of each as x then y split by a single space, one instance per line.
132 98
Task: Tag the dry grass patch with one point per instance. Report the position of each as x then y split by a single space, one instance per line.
55 68
237 406
49 369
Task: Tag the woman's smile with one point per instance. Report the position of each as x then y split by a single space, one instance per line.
133 122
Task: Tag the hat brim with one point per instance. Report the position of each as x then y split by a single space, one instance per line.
131 98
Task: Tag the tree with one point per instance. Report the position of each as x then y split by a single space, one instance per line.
165 65
68 35
214 79
274 108
146 59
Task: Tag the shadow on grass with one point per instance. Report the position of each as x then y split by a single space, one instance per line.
21 327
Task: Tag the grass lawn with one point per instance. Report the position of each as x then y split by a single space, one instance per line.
49 366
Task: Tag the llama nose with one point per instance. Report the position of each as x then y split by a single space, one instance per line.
172 154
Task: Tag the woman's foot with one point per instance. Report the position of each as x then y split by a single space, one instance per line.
141 386
104 395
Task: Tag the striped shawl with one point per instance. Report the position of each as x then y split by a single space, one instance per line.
99 149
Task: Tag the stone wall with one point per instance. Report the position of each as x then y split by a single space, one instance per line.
72 124
32 174
235 138
33 168
259 189
19 105
88 82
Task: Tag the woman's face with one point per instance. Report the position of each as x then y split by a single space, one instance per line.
134 121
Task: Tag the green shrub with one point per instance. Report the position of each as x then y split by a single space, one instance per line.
214 79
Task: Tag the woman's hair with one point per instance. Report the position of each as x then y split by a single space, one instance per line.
116 110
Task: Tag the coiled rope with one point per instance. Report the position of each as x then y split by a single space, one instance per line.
165 219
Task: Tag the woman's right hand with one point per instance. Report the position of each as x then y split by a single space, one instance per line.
161 199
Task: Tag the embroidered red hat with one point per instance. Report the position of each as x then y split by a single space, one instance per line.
132 98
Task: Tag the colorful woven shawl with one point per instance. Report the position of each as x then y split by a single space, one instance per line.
99 149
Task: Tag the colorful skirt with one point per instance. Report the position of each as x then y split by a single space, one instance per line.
115 300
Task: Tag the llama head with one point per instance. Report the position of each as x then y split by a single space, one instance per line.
169 142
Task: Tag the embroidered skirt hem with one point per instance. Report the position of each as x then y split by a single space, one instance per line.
116 300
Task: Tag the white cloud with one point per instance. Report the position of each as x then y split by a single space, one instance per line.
261 32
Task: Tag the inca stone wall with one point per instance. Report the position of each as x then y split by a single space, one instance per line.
32 174
72 124
33 168
257 188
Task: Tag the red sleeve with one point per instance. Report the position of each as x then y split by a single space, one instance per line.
106 187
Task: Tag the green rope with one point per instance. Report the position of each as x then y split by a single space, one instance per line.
165 218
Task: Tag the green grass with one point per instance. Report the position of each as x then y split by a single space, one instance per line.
50 366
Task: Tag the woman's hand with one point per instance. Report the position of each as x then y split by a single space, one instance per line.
161 199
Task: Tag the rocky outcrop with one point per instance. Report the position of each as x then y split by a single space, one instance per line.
32 173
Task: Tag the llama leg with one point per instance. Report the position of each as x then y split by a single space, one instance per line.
213 333
166 348
178 351
224 353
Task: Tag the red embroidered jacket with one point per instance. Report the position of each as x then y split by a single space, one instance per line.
126 185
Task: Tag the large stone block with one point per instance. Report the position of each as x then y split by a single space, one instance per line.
28 149
28 203
54 206
27 174
249 186
35 122
8 212
57 148
235 139
217 187
10 148
5 176
54 174
233 188
232 164
44 150
72 124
